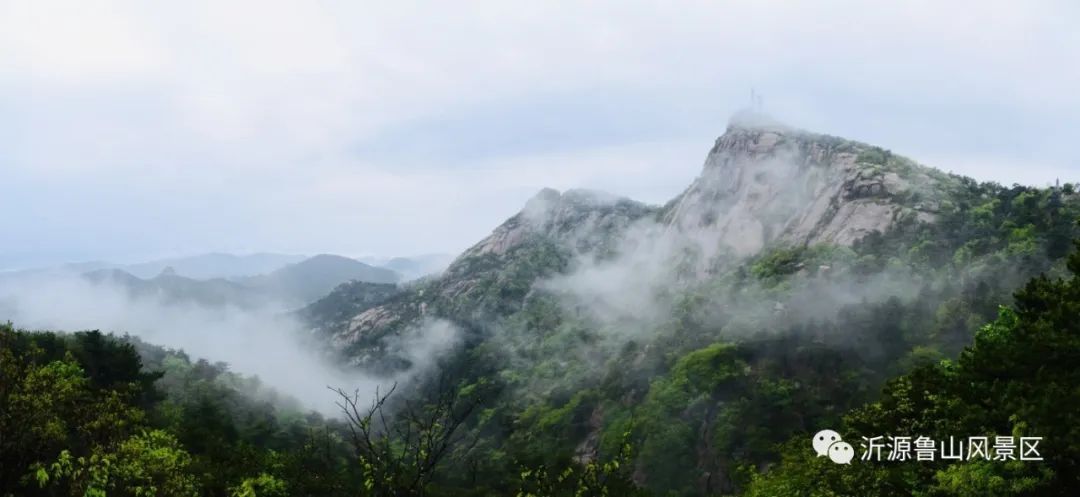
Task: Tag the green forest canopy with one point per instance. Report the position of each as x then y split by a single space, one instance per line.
94 414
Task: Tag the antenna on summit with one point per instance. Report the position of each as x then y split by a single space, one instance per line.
756 101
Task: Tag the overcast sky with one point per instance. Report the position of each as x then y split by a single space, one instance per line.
136 130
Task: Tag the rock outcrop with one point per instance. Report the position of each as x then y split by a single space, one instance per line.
764 183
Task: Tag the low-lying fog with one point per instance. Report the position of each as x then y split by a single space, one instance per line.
262 342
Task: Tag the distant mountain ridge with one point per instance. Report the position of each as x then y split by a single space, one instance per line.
307 280
201 266
215 265
171 288
233 266
288 287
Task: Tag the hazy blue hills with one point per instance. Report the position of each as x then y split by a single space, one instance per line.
171 288
287 286
201 266
216 265
312 278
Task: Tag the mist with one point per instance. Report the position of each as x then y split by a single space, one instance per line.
745 204
264 342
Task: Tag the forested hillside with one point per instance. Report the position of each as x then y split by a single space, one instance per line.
92 414
713 339
713 394
83 414
1017 379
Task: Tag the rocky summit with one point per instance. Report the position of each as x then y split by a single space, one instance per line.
765 182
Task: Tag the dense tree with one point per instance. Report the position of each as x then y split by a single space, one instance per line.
1018 378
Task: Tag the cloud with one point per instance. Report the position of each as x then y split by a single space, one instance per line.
195 126
261 342
75 42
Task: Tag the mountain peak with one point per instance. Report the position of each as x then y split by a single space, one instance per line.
764 181
328 258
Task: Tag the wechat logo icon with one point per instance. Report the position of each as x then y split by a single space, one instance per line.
828 443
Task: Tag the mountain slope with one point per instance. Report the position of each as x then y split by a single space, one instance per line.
795 275
345 301
494 275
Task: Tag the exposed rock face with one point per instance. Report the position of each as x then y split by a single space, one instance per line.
765 183
370 319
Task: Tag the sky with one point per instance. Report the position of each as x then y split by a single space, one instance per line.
138 130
